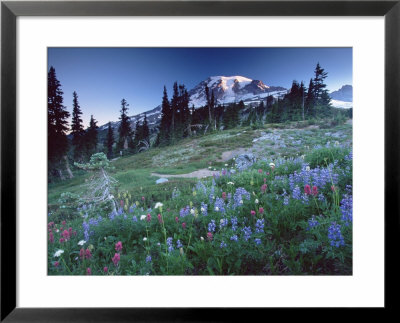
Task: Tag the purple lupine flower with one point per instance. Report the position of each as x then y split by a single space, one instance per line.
211 226
335 235
346 206
247 233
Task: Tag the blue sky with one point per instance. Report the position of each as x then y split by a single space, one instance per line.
103 76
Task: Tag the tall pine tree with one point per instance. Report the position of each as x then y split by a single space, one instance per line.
77 130
57 123
166 118
91 137
124 129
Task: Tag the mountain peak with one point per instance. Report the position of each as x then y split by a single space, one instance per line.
229 89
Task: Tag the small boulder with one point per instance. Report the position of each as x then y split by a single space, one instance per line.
161 180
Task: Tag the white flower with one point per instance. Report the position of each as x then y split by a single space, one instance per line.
202 209
215 169
142 217
216 208
144 239
58 253
241 202
226 165
256 201
336 143
231 183
209 167
158 204
192 211
271 165
201 238
221 221
308 168
158 244
57 230
81 243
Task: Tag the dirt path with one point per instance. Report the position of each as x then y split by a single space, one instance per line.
201 173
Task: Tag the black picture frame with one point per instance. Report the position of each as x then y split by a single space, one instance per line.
10 10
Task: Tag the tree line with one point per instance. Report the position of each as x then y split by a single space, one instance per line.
178 120
77 143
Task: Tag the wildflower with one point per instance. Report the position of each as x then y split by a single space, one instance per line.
335 235
181 251
201 238
230 183
144 239
346 206
82 253
192 211
184 225
226 165
176 219
63 223
65 234
260 171
234 222
219 205
148 258
224 195
169 244
105 269
159 218
56 264
121 203
223 223
179 244
257 241
264 188
260 226
58 253
211 226
272 165
234 238
314 191
134 218
116 259
307 189
256 201
143 198
142 217
118 246
203 209
62 240
261 210
158 205
312 223
308 168
88 254
247 233
222 245
296 193
51 237
148 218
81 243
209 236
88 271
333 188
253 213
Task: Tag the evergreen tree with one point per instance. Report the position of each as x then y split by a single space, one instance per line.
124 129
208 101
91 137
77 130
145 130
184 111
57 122
110 141
322 99
310 101
166 118
174 109
138 135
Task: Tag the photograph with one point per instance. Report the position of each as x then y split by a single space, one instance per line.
200 161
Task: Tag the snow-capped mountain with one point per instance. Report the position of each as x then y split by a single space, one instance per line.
229 89
342 98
